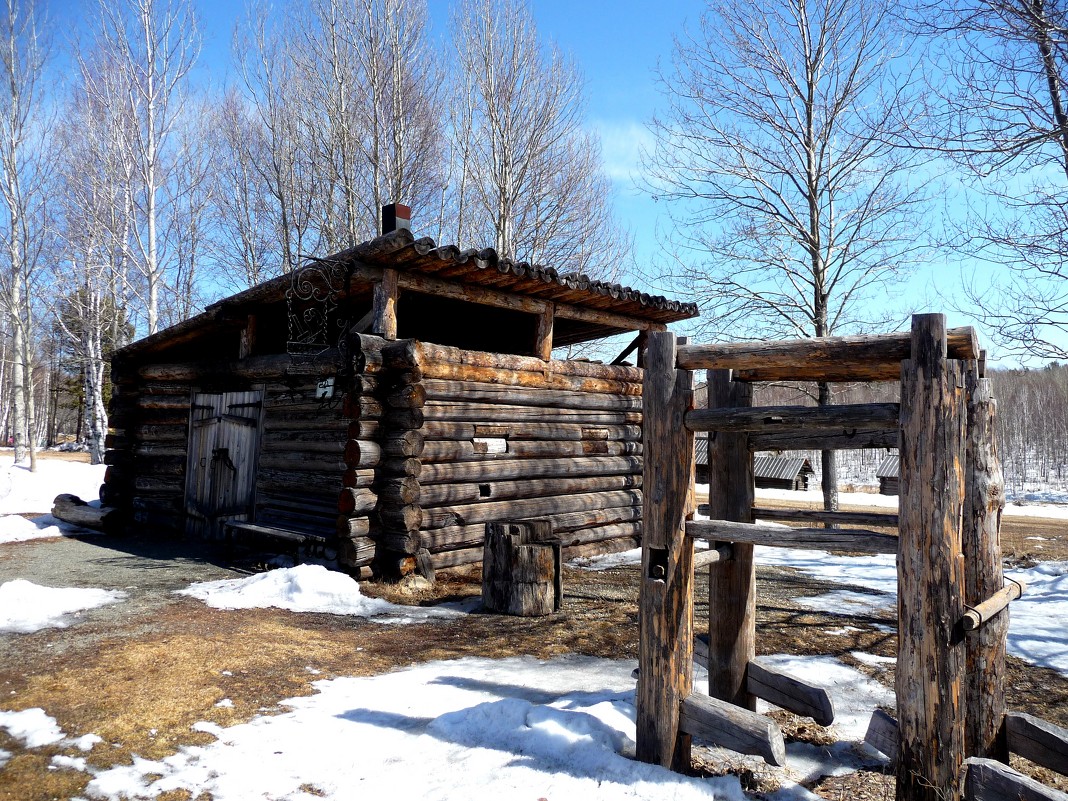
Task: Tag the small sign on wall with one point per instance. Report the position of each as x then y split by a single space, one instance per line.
324 390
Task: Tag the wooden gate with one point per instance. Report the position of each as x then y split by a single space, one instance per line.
223 444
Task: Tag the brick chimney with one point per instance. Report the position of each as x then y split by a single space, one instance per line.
396 216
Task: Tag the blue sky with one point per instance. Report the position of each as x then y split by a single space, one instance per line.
617 46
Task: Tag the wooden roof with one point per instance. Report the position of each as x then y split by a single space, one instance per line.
400 250
889 467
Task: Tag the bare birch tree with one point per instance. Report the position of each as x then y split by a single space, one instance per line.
791 205
999 74
527 175
25 166
153 44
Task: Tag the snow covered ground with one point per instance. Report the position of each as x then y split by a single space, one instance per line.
23 492
26 607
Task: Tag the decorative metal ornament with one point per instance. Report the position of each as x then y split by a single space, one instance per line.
312 303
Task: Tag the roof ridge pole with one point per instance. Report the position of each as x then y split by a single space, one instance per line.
665 595
930 584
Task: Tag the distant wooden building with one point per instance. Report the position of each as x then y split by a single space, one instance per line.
385 403
887 473
774 472
782 472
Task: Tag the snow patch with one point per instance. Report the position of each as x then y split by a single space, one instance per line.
313 588
26 607
32 726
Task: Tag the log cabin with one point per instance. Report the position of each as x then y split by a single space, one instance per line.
382 405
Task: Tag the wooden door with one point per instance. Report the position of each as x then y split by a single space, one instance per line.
223 445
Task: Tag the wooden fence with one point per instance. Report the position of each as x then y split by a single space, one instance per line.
952 626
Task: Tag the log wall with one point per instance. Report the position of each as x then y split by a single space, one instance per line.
469 438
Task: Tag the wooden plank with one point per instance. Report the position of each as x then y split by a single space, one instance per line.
986 611
1044 743
931 659
791 418
734 727
832 539
882 734
514 429
525 488
665 594
845 440
984 498
443 353
706 557
877 519
990 780
731 584
828 353
494 412
786 691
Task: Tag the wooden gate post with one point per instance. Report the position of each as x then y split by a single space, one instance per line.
731 583
930 586
984 498
665 596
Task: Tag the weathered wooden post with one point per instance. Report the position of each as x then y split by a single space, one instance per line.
665 648
984 498
731 583
930 663
521 569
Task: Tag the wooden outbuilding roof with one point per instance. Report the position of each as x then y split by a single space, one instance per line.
781 468
592 309
889 467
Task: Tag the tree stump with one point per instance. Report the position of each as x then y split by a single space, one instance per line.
521 569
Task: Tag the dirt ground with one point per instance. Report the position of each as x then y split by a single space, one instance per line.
140 673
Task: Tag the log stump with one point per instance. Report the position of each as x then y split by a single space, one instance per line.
521 569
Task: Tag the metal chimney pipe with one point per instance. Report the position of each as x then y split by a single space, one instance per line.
396 216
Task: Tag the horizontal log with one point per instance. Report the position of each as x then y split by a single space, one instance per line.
467 451
402 490
790 693
404 443
1043 743
148 417
360 407
356 501
444 353
309 425
720 553
468 536
520 378
602 547
989 780
877 519
733 727
396 466
151 388
612 531
512 430
361 453
489 412
321 503
305 462
407 396
530 468
159 484
146 400
72 509
253 368
399 518
402 542
364 477
844 440
291 387
443 560
813 359
333 436
354 552
282 444
977 615
520 509
832 539
472 391
287 480
403 419
160 433
439 494
353 527
882 734
787 418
